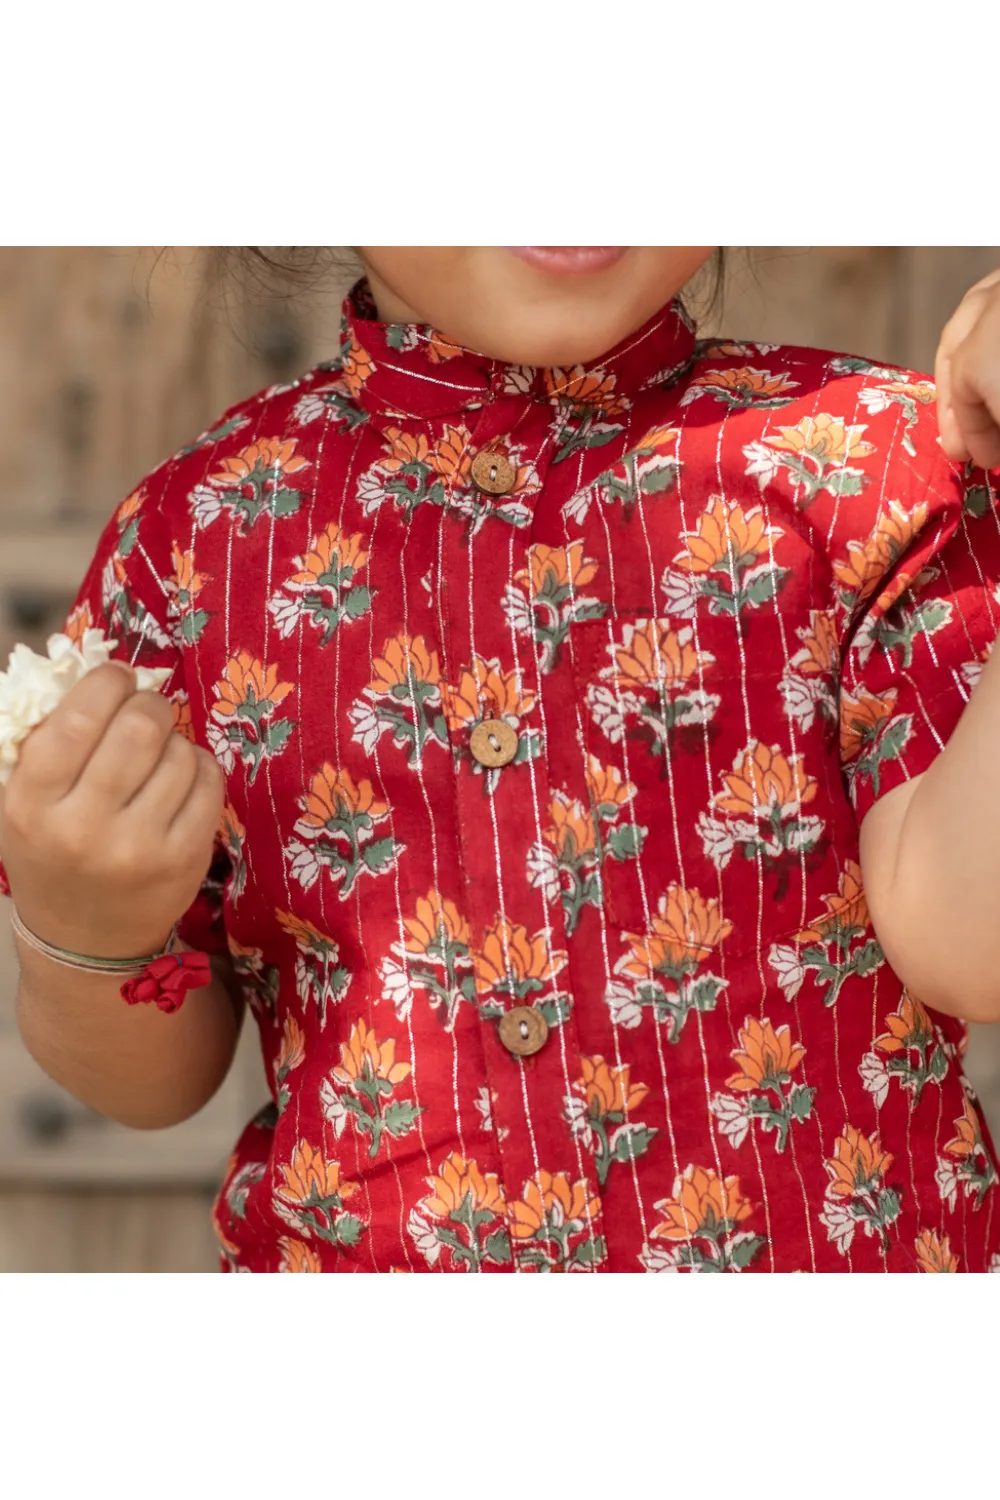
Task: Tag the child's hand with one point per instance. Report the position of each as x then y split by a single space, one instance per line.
108 820
967 371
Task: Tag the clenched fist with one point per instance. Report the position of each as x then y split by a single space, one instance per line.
108 821
967 371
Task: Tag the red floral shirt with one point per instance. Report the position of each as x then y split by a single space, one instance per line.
614 1003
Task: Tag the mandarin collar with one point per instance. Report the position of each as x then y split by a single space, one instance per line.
410 369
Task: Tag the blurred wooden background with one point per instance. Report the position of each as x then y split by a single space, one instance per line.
110 359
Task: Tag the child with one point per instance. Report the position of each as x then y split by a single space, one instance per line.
601 838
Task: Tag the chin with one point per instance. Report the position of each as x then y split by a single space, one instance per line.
554 344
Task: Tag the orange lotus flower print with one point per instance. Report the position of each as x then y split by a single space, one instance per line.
436 923
246 700
320 979
255 482
586 403
296 1255
548 596
857 1194
934 1252
685 930
510 962
766 1059
741 386
451 456
701 1219
361 1089
339 822
324 589
333 796
817 454
762 811
290 1056
484 691
600 1111
847 911
869 561
653 687
566 863
311 1195
402 699
461 1219
967 1162
552 1223
660 969
356 367
765 779
433 958
726 539
838 944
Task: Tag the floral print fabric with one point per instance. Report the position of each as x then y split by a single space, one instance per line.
732 595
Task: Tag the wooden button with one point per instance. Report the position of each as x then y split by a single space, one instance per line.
523 1030
493 742
493 473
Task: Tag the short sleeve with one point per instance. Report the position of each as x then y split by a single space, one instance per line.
920 596
127 592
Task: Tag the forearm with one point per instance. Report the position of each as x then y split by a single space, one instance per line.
134 1064
932 867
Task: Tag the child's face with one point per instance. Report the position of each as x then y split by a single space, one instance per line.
531 305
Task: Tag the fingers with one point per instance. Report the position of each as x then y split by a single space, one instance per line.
975 390
54 755
197 819
163 793
128 752
967 371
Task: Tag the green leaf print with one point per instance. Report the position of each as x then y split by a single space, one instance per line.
625 841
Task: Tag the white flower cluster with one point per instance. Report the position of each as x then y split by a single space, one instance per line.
33 685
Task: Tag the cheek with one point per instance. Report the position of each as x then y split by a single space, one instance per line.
410 281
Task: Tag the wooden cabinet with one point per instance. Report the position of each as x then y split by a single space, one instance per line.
111 359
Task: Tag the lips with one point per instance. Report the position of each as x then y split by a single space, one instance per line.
563 260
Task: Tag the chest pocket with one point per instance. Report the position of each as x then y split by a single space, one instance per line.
712 768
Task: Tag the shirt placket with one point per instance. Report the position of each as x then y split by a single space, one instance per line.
527 1028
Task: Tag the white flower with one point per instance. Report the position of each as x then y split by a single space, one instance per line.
34 685
367 727
303 864
397 988
518 380
994 1264
840 1224
717 840
763 463
624 1007
733 1116
371 489
221 746
971 672
484 1102
875 1077
206 505
608 710
874 401
518 610
681 592
577 506
658 1258
309 407
424 1238
543 871
801 696
333 1108
286 613
785 963
946 1178
578 1120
